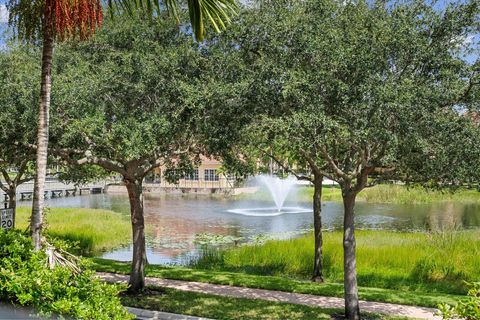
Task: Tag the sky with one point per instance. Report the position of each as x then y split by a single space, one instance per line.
3 13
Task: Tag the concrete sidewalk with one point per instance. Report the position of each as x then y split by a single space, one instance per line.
281 296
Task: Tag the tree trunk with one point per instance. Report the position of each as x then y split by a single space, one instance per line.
36 221
317 228
137 274
352 309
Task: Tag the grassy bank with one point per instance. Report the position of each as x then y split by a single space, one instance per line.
387 193
427 299
218 307
392 260
94 230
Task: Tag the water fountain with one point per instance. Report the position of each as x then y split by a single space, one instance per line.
279 190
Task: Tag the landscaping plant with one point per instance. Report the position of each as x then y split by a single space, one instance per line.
466 309
26 279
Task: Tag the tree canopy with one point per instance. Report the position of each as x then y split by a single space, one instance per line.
128 101
358 91
18 88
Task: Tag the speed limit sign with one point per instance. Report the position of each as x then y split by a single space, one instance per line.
6 219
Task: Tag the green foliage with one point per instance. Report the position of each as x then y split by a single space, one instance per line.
25 279
466 309
357 90
19 74
437 262
82 174
25 16
92 230
130 97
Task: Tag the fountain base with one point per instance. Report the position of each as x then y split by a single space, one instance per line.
268 212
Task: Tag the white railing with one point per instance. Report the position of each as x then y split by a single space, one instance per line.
221 183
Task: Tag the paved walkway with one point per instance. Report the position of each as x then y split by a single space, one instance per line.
281 296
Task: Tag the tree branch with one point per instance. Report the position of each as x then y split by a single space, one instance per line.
336 170
288 169
88 158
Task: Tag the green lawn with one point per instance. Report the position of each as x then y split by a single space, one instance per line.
218 307
279 283
94 230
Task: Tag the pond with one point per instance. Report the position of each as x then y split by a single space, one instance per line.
178 225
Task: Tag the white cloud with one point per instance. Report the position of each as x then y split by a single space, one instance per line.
3 14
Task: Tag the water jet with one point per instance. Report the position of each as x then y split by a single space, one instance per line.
278 190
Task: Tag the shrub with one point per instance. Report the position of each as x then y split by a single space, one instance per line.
25 279
466 309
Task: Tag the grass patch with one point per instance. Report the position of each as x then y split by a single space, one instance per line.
383 193
94 230
416 262
399 194
218 307
403 195
279 283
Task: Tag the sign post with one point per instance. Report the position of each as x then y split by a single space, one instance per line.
7 219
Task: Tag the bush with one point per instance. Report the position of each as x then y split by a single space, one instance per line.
466 309
25 279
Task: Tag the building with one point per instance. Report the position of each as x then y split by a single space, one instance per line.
206 178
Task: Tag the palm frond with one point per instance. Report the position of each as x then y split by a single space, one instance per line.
217 12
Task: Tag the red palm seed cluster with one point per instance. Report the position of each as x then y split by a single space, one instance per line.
71 17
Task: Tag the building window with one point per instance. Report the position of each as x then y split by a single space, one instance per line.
211 175
192 175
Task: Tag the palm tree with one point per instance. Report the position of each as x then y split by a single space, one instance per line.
56 20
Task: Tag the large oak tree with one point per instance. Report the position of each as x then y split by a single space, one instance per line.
47 21
128 102
360 91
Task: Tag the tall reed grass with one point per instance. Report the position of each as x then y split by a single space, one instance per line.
403 195
400 194
93 230
406 261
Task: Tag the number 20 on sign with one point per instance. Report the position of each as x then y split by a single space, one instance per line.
6 219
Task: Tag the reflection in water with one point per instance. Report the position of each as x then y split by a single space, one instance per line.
174 221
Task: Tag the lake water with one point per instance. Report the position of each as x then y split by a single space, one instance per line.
175 223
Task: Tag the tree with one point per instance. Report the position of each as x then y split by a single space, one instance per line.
18 86
269 138
264 48
127 102
365 92
51 20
